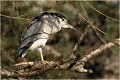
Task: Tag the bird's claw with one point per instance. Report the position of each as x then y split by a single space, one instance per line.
45 62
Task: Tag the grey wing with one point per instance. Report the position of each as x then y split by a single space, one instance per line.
30 34
32 28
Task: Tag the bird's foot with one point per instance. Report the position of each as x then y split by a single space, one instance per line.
45 62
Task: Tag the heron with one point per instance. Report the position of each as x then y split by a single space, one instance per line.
37 32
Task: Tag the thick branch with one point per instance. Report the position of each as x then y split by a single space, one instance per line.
99 50
79 66
80 63
25 69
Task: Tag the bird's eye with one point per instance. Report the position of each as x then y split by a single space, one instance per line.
63 19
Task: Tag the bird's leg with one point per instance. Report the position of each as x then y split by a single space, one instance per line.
41 57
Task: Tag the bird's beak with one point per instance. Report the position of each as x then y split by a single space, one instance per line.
71 27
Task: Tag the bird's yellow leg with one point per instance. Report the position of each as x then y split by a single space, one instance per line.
41 57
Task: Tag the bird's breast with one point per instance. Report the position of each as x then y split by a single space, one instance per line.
38 44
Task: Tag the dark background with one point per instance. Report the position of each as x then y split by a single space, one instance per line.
105 66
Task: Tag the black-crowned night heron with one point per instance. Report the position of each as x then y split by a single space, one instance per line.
37 32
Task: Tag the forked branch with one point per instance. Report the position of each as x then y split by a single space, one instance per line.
26 69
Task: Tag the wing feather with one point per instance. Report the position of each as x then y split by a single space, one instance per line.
39 28
32 32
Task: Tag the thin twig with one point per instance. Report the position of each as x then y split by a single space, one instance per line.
25 10
15 33
98 35
91 23
16 9
101 12
14 17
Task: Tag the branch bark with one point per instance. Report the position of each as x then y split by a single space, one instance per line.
80 63
26 69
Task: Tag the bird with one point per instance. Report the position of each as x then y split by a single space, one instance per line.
37 32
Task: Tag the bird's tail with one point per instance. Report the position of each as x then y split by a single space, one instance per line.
22 52
22 55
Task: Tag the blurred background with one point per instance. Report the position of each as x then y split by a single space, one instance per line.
59 46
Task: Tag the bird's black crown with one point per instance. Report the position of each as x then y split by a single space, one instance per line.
49 13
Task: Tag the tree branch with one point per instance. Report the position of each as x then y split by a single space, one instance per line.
13 71
26 69
80 63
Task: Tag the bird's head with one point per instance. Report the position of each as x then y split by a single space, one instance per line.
57 18
65 23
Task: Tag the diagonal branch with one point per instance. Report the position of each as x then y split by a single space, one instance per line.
77 44
80 63
99 50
